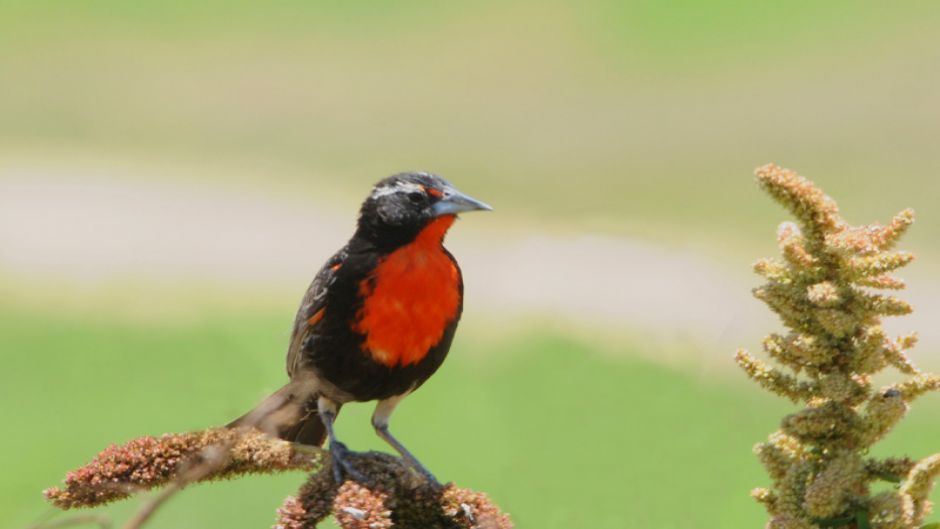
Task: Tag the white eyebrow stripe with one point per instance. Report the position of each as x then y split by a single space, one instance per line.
399 187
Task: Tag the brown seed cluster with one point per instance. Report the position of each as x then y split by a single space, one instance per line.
822 290
147 462
358 507
395 496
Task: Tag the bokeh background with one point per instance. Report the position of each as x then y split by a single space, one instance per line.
173 173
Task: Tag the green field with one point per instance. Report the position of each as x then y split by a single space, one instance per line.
560 435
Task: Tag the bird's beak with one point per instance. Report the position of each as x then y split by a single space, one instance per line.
454 202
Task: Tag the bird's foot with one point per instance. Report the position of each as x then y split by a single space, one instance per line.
415 464
342 466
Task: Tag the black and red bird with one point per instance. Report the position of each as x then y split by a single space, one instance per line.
377 320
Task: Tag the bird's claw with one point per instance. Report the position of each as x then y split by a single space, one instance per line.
428 476
342 467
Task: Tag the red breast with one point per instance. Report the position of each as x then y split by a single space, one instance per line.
410 298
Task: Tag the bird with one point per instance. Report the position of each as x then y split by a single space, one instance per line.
376 322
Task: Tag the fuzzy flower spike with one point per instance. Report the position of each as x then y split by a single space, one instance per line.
824 291
394 495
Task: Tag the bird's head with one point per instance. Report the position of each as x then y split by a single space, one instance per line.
401 206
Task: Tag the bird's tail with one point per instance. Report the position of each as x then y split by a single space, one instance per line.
290 413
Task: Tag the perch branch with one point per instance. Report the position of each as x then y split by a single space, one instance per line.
394 494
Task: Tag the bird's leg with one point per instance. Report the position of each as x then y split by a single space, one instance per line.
383 410
338 451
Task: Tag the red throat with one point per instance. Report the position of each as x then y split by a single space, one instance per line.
434 232
410 299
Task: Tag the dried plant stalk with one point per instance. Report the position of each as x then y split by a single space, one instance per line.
148 462
395 494
822 290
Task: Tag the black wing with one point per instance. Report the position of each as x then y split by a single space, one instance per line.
314 301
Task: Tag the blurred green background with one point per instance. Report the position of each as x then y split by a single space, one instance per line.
173 173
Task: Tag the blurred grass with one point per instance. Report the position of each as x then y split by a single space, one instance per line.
559 435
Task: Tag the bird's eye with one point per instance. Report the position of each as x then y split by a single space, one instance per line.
416 197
